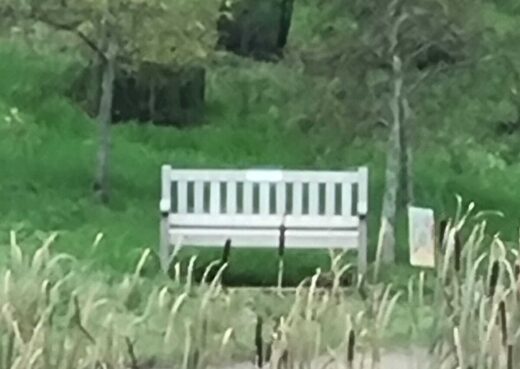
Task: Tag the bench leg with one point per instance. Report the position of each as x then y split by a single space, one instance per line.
362 246
164 245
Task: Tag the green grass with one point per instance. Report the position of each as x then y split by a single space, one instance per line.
47 159
47 153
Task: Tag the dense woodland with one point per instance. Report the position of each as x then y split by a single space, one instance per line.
96 95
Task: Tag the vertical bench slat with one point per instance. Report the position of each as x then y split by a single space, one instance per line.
330 198
198 194
297 201
362 210
248 198
314 197
214 198
362 200
166 190
280 198
264 198
231 198
182 196
346 199
165 206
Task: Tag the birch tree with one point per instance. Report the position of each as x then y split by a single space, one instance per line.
406 42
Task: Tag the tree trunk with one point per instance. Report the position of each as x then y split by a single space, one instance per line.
410 193
152 100
101 185
387 240
406 185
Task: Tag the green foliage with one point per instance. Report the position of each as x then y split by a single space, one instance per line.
258 114
166 32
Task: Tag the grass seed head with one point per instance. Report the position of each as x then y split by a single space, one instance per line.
493 278
457 252
97 241
189 277
207 271
281 242
226 338
142 260
16 252
226 252
162 297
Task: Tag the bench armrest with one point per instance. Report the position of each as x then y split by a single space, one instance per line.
362 210
362 205
165 206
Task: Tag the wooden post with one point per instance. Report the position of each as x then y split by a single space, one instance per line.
165 208
362 211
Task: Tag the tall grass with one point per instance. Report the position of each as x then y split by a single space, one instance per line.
56 313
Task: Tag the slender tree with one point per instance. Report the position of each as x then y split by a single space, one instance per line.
397 47
122 35
104 118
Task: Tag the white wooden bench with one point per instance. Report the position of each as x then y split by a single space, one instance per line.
317 209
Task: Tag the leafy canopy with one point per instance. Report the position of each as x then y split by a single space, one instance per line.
161 31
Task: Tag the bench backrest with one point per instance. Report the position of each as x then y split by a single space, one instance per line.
264 197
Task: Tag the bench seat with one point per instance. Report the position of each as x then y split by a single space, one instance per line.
255 237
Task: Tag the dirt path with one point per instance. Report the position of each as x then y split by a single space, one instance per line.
417 358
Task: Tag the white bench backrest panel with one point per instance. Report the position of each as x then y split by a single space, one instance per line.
262 198
265 192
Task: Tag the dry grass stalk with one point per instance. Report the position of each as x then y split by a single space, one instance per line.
189 277
187 345
503 322
281 253
208 270
279 279
259 343
493 278
35 291
510 357
351 349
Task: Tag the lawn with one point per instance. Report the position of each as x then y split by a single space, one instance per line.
47 159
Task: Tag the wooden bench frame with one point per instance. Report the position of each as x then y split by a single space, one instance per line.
206 207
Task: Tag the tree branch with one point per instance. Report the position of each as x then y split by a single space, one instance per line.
72 29
441 69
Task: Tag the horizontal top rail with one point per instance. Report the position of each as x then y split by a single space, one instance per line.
262 175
